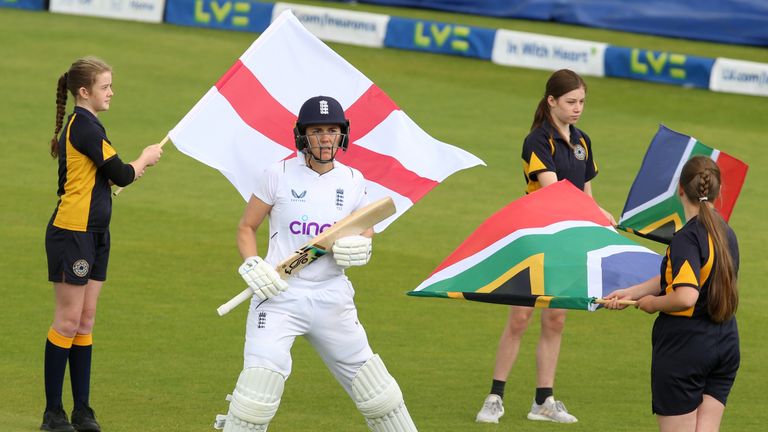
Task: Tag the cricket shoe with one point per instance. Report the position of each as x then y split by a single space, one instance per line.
551 410
84 420
492 410
55 420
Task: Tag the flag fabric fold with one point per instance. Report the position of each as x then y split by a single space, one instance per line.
652 209
245 121
552 248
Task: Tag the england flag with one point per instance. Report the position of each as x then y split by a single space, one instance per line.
245 121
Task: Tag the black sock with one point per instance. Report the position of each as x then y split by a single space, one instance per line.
542 393
497 388
80 369
56 354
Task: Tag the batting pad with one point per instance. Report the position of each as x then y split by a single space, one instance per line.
379 399
398 420
255 400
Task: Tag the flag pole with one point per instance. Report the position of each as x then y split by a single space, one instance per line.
120 189
621 302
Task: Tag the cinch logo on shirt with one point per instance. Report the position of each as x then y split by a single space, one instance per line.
306 227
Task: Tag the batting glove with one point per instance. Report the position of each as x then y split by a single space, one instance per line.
352 251
262 278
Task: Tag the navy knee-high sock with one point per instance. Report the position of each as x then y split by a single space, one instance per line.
80 369
57 349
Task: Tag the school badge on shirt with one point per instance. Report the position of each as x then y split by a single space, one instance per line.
580 152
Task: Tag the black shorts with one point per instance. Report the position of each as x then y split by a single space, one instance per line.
74 257
692 357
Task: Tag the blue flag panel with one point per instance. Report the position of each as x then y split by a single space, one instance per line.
659 165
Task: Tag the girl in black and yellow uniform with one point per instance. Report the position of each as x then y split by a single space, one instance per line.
554 150
695 339
77 239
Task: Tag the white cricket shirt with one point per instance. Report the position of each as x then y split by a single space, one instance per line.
305 203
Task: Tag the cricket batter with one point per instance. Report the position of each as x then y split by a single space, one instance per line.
302 197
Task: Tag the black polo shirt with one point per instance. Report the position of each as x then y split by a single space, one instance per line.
689 262
85 202
545 150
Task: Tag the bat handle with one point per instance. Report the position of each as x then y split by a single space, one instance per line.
235 301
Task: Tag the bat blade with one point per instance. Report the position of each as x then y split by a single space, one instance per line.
353 224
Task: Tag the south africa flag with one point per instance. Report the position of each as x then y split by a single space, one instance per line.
552 248
653 209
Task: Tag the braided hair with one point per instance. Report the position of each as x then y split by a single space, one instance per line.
82 73
700 181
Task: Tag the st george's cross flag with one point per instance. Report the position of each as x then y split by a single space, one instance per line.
245 122
653 209
552 248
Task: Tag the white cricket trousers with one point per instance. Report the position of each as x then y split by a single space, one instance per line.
324 313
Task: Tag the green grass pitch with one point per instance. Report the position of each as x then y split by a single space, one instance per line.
164 360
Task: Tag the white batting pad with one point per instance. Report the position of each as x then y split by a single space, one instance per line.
379 399
398 420
255 400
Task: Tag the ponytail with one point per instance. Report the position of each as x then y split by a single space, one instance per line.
541 114
700 180
61 105
559 83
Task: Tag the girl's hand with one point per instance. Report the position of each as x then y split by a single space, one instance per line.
647 304
609 216
151 154
614 297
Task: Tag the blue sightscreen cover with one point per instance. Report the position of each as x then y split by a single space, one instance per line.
730 21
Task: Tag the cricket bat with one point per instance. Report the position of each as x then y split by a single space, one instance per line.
353 224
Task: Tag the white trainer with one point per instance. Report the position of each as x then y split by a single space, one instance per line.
492 410
551 410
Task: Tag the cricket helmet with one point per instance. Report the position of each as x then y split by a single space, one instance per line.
320 110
